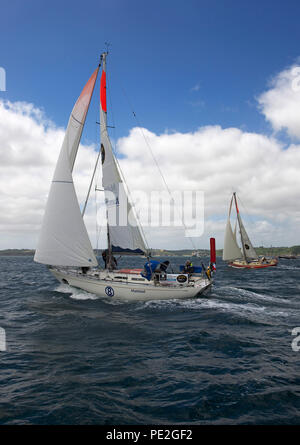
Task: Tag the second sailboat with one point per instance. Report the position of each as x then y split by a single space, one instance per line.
244 257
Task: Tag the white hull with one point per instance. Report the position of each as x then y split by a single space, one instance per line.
106 284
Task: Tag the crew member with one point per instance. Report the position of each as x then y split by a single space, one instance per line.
149 268
188 268
113 263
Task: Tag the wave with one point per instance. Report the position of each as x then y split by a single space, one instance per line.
242 309
76 294
251 295
287 267
250 311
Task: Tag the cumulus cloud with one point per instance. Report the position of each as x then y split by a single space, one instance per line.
281 102
219 161
29 148
213 160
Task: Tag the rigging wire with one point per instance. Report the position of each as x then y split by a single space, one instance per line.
247 213
98 227
154 159
246 210
121 172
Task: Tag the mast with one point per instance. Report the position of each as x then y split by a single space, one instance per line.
95 168
103 129
240 227
103 107
109 261
124 233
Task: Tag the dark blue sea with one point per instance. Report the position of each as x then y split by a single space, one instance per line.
74 358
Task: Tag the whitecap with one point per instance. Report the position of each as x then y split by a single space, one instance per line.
252 295
76 294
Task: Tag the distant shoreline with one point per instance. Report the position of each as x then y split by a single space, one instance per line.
17 252
268 251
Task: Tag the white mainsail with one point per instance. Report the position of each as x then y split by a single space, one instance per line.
249 250
124 231
231 250
64 240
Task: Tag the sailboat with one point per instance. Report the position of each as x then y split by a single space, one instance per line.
64 244
246 256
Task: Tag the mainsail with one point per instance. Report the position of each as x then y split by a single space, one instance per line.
64 240
231 250
248 250
124 232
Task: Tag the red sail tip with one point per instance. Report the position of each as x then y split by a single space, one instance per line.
103 92
236 204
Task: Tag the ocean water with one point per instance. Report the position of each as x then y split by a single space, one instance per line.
75 358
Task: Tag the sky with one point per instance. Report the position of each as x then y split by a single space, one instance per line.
213 84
